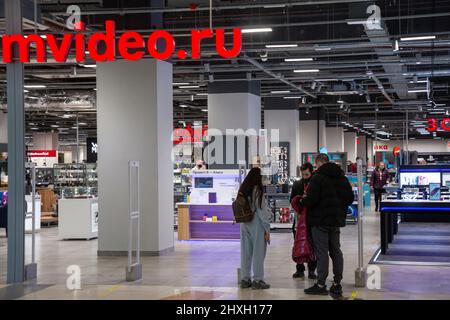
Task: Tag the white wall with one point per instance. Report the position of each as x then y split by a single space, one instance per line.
370 151
135 115
3 127
286 121
350 145
335 139
308 135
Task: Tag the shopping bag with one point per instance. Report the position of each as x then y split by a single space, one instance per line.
302 252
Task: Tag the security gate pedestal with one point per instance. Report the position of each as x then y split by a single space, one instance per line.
31 268
134 270
360 272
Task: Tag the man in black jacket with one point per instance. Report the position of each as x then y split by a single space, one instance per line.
327 199
298 189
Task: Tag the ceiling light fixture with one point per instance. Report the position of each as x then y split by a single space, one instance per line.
180 83
418 38
189 87
205 110
272 46
293 97
35 86
256 30
306 70
418 91
298 59
280 91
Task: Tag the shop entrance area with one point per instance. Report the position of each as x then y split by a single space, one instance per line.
155 149
207 270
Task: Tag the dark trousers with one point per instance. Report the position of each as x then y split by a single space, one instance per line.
326 242
312 265
377 193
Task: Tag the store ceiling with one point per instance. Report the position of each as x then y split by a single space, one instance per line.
362 79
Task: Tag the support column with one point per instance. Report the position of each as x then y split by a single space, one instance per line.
350 145
312 130
45 141
283 115
235 106
135 122
362 149
16 150
335 139
3 128
370 152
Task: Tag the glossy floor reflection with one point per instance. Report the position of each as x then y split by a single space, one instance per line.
208 270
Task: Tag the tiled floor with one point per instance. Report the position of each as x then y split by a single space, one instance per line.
207 270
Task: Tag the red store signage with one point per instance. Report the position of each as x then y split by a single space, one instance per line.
433 124
381 147
130 45
42 153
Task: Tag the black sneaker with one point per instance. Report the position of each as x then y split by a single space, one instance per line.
245 284
336 289
317 290
298 275
260 285
312 276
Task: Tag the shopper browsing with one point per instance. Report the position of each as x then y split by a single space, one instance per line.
380 177
298 189
328 196
255 235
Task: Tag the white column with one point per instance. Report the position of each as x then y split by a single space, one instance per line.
361 149
45 141
313 135
235 106
286 121
370 151
3 127
135 120
335 139
350 145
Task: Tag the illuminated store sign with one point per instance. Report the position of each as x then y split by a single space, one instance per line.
129 45
434 124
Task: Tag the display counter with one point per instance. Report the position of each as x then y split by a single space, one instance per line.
78 218
196 221
390 208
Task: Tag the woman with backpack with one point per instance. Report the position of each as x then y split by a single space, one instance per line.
255 235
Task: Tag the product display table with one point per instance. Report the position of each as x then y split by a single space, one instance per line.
78 218
391 208
191 223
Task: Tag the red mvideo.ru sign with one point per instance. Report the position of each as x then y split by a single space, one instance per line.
129 45
42 153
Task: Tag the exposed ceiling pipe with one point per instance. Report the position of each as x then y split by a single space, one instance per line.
381 87
242 6
279 77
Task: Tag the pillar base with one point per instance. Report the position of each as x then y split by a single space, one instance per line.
134 273
360 278
31 271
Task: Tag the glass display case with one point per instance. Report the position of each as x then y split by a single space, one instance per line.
44 177
78 192
75 175
91 175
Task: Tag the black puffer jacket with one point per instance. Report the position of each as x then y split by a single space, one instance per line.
328 197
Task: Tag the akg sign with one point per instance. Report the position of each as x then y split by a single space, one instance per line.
380 147
434 124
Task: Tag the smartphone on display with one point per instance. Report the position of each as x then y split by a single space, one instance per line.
435 191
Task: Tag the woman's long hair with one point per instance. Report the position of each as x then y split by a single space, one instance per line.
253 178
